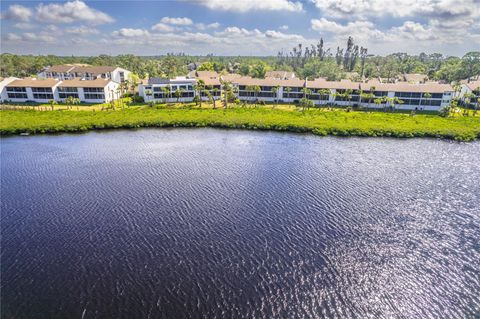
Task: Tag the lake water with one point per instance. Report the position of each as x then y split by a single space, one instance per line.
207 223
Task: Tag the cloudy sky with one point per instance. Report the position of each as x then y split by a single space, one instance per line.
237 27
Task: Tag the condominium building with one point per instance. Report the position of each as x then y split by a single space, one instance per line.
89 91
45 90
428 96
471 90
87 72
163 90
4 82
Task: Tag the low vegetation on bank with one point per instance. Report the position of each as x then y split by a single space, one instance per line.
316 121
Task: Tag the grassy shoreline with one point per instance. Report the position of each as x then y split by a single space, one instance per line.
319 122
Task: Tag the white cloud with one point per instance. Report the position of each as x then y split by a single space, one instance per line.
202 26
283 27
24 25
415 31
82 30
13 37
177 21
252 5
228 41
360 30
52 28
17 12
130 33
432 9
162 27
69 12
31 37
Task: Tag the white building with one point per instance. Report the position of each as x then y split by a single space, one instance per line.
428 96
88 72
471 88
3 83
163 90
45 90
89 91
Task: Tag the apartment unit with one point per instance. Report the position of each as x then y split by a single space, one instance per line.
471 89
30 89
87 72
163 90
45 90
88 91
3 83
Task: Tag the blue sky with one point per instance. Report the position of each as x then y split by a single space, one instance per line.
237 27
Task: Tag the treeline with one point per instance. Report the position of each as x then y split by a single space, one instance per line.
312 61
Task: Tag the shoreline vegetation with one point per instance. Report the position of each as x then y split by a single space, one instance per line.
318 121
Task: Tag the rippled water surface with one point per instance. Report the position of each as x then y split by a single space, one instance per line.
208 223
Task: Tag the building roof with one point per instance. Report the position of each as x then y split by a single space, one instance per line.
430 87
72 68
473 85
209 81
78 82
230 77
207 74
271 81
321 83
34 83
280 74
414 77
60 68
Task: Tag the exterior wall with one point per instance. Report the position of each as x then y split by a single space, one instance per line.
116 75
157 94
244 95
30 96
3 84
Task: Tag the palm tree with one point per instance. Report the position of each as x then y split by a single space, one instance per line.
178 94
288 90
52 103
215 94
256 89
378 101
166 93
209 96
396 101
275 92
119 94
306 92
348 95
199 88
227 91
69 101
324 92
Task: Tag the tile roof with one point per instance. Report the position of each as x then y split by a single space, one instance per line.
280 74
70 68
473 85
77 82
33 82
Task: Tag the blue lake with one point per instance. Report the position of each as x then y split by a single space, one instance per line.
206 223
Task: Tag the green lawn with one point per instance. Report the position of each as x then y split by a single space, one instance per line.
321 122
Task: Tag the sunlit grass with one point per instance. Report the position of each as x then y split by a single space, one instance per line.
282 118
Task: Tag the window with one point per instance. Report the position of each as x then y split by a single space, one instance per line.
67 89
66 95
16 89
17 93
93 90
12 95
93 96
